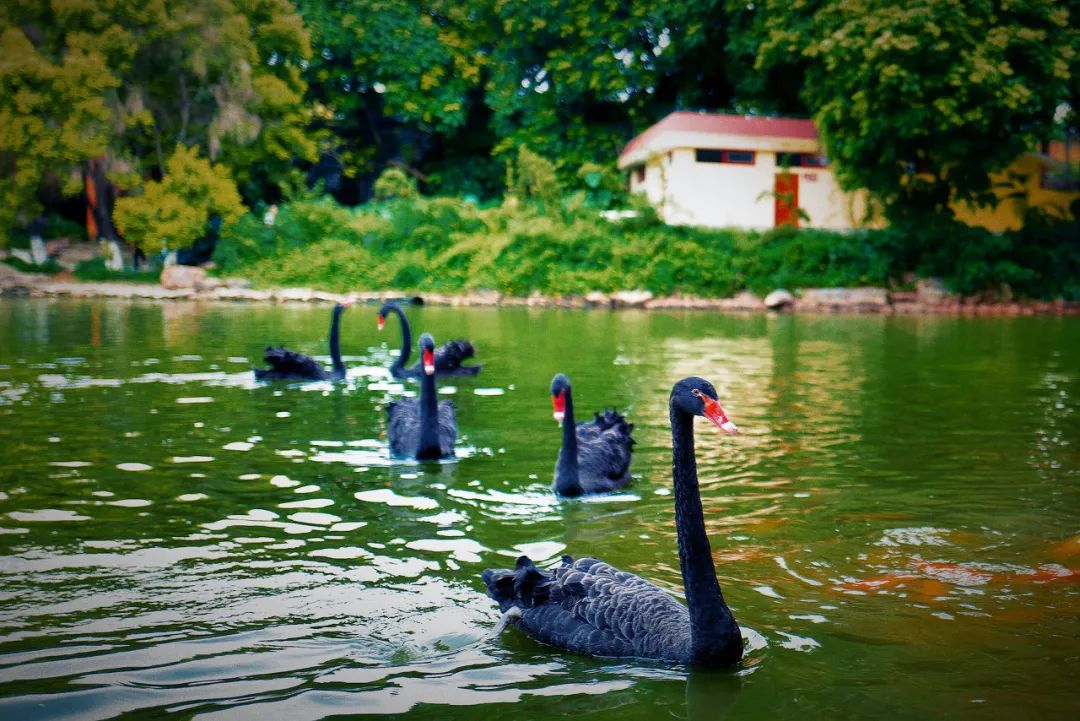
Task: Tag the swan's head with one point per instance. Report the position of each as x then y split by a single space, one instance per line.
381 321
697 395
560 386
427 353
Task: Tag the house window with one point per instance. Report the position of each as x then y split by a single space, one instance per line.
801 160
736 157
639 174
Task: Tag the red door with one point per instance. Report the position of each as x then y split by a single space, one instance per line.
786 193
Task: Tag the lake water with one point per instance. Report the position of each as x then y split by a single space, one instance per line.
896 525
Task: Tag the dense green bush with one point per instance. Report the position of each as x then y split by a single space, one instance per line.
448 244
173 213
395 183
95 270
49 267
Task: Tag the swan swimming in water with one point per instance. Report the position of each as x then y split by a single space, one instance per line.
595 455
448 357
289 365
424 428
588 606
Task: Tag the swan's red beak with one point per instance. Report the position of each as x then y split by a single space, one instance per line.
558 404
716 414
381 321
429 362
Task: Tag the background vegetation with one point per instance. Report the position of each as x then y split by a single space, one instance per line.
198 108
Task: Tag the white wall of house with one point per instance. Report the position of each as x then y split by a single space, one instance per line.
687 192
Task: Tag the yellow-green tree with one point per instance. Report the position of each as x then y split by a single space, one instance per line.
173 213
53 114
128 81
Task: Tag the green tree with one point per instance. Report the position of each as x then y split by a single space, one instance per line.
401 81
919 101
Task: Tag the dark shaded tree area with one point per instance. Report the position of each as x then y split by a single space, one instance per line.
451 89
276 93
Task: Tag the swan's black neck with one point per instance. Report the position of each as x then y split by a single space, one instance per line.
714 634
567 480
335 343
429 419
406 338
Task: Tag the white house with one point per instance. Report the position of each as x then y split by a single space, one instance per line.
720 170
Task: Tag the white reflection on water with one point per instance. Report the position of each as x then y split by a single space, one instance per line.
461 549
390 498
47 515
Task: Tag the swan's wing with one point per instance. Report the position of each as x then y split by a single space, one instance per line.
447 427
605 447
403 426
450 354
591 607
283 361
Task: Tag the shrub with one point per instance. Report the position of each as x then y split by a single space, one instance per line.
298 224
450 244
603 186
95 270
49 267
532 179
174 213
395 183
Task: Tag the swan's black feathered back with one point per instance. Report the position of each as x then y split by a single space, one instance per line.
452 353
448 359
403 428
604 452
286 364
590 607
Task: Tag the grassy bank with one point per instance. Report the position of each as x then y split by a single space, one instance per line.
448 244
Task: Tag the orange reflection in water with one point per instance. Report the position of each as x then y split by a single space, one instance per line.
930 580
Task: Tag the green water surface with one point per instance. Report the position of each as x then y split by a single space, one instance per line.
896 525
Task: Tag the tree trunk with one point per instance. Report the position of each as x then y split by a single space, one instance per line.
100 197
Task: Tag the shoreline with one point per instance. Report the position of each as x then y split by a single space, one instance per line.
870 301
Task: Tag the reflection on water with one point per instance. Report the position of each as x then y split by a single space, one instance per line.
894 526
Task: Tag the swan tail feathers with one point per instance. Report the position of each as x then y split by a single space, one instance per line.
284 361
452 353
611 419
526 586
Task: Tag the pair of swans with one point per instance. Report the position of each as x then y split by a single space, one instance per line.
423 428
289 365
588 606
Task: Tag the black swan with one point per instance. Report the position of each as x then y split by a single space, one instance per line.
595 456
423 428
587 606
448 358
289 365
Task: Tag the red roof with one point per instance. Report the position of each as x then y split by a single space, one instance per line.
753 125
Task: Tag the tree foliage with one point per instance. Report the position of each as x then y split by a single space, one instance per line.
128 81
396 183
920 100
53 114
174 212
916 101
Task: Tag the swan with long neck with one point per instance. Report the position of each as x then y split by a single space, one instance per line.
448 357
423 428
289 365
595 456
587 606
